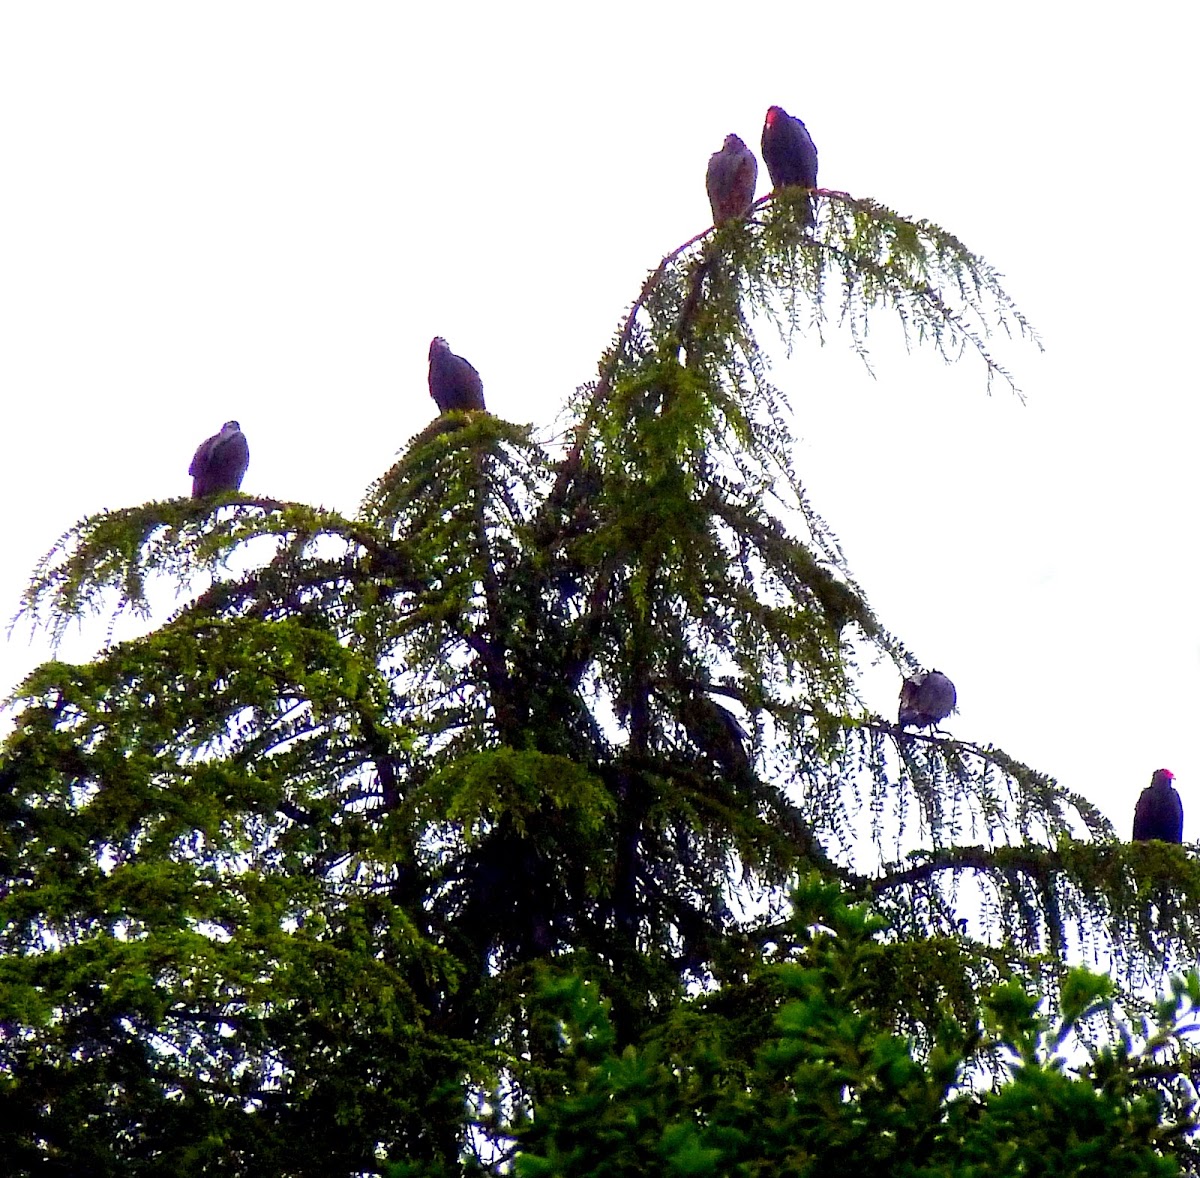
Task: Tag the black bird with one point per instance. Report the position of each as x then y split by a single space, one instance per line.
732 175
453 382
716 731
926 699
789 153
220 462
1159 811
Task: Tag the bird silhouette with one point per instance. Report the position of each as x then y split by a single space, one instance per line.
1159 811
789 153
926 699
220 462
732 175
453 382
717 732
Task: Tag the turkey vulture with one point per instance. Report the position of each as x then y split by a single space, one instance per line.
453 382
1159 812
220 462
732 175
926 699
716 731
789 154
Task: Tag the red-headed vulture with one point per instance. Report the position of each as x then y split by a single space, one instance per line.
1159 811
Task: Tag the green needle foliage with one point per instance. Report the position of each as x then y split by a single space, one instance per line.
287 881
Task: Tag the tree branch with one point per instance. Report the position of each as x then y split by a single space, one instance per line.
570 464
1038 863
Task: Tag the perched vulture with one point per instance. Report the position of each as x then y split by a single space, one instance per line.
220 462
788 152
732 175
453 382
716 731
1159 812
926 699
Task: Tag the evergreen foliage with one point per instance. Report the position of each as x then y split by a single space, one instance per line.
284 879
818 1083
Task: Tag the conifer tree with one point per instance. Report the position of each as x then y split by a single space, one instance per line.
284 878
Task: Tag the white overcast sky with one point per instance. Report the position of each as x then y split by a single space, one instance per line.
265 211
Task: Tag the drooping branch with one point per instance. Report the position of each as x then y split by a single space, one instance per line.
118 550
1039 863
881 259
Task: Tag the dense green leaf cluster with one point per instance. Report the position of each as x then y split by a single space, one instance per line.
819 1084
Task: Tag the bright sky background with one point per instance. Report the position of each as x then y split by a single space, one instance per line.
265 210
